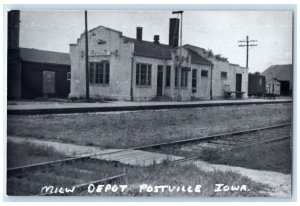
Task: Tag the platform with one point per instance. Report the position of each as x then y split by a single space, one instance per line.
32 108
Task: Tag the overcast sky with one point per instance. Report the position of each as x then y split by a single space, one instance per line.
216 30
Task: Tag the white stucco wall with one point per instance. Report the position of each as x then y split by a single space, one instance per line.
203 83
142 93
119 56
232 70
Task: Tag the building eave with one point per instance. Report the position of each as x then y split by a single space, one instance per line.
152 57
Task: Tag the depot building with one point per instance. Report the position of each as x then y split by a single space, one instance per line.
124 68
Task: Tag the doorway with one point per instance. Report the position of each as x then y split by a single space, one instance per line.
48 83
238 85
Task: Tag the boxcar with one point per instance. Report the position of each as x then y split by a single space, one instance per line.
256 85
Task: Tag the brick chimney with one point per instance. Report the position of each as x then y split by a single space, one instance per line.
156 39
174 32
139 33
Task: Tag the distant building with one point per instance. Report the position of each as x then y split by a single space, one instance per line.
44 73
126 68
282 74
273 86
34 73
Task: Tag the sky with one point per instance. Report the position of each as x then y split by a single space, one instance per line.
219 31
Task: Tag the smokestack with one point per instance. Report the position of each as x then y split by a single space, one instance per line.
139 33
156 39
174 32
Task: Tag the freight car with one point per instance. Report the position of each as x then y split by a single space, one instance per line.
256 85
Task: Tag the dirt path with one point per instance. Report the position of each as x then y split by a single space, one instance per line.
65 148
279 183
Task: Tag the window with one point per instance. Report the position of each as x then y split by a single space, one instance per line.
223 75
176 77
168 76
184 77
194 80
143 74
99 72
91 72
107 69
204 73
68 75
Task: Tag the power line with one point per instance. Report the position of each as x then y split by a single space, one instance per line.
247 43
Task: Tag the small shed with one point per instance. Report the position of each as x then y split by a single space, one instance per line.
273 86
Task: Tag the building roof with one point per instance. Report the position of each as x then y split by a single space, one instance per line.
272 80
195 47
151 49
162 51
198 59
280 72
41 56
205 54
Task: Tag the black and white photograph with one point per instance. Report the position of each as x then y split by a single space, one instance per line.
187 103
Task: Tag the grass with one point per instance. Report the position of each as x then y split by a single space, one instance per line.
20 154
65 175
184 175
157 174
272 157
131 129
34 154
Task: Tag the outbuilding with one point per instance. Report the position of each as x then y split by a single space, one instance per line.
44 73
282 73
273 86
33 73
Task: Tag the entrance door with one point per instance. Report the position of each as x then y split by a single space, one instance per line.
48 82
159 80
238 85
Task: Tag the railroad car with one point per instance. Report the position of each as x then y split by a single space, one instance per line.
256 85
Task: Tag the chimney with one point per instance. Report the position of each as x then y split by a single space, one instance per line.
156 39
139 33
174 32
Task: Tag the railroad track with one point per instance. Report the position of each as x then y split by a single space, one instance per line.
223 142
193 148
216 137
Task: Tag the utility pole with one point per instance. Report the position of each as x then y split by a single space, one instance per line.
87 76
180 55
248 43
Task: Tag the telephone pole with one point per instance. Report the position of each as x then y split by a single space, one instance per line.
248 43
87 77
180 59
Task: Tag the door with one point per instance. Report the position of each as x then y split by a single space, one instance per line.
159 80
238 85
48 82
284 88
